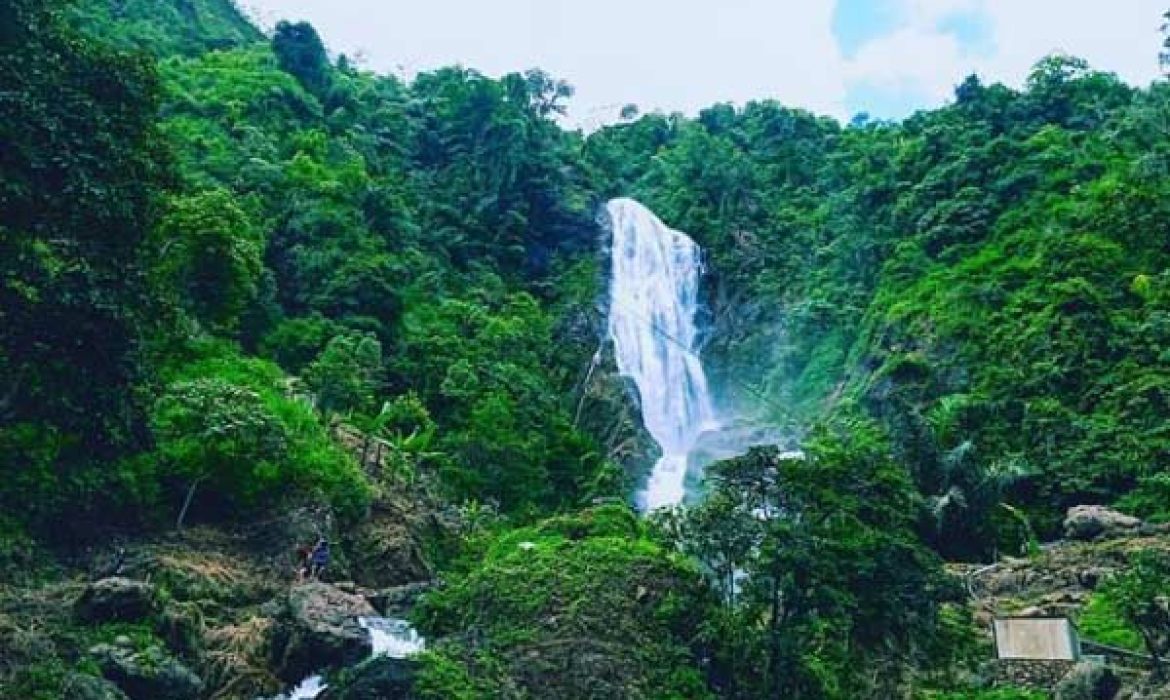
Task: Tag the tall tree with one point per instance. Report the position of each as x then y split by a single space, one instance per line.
299 50
80 171
817 557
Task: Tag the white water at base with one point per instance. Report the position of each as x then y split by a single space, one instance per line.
389 636
392 637
309 688
654 292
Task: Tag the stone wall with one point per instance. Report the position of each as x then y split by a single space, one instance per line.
1035 675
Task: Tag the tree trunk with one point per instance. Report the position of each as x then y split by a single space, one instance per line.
187 501
774 639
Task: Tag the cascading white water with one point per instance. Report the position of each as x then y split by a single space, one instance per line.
388 637
392 637
654 293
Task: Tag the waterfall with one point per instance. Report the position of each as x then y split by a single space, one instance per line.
654 294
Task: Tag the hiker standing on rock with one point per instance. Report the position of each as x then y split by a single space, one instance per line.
319 559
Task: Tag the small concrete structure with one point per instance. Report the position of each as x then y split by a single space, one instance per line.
1037 638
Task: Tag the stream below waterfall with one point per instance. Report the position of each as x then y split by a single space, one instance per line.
389 636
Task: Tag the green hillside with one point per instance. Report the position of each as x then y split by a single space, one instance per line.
173 27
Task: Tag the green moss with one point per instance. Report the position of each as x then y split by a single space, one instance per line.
444 674
571 606
140 634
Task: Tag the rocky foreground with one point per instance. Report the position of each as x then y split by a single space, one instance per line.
210 614
206 613
1065 579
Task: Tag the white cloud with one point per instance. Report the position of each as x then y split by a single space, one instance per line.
1115 36
686 54
1121 37
915 56
931 11
659 54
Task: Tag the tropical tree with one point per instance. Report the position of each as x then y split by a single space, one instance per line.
823 551
346 375
212 431
211 256
1142 594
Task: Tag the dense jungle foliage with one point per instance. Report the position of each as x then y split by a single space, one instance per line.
216 245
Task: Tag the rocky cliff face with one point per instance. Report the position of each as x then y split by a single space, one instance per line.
610 410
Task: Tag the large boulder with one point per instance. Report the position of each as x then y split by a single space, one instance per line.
148 674
318 629
1092 522
1089 681
116 599
381 678
398 600
387 549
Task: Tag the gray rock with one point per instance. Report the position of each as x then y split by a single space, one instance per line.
1091 577
387 548
116 599
1092 522
1088 681
381 678
149 674
80 686
396 601
319 629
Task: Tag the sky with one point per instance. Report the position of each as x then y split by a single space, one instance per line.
886 58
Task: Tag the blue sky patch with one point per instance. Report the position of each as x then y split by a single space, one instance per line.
857 22
972 29
885 101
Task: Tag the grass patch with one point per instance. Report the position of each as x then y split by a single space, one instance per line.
1102 622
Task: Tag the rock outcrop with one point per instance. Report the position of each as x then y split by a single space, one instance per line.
377 679
1089 681
148 674
610 410
318 629
116 599
387 548
398 600
1093 522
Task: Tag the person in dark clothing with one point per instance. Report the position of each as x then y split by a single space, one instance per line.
319 559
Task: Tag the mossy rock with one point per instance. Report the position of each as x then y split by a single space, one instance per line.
577 606
116 599
148 674
381 678
81 686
